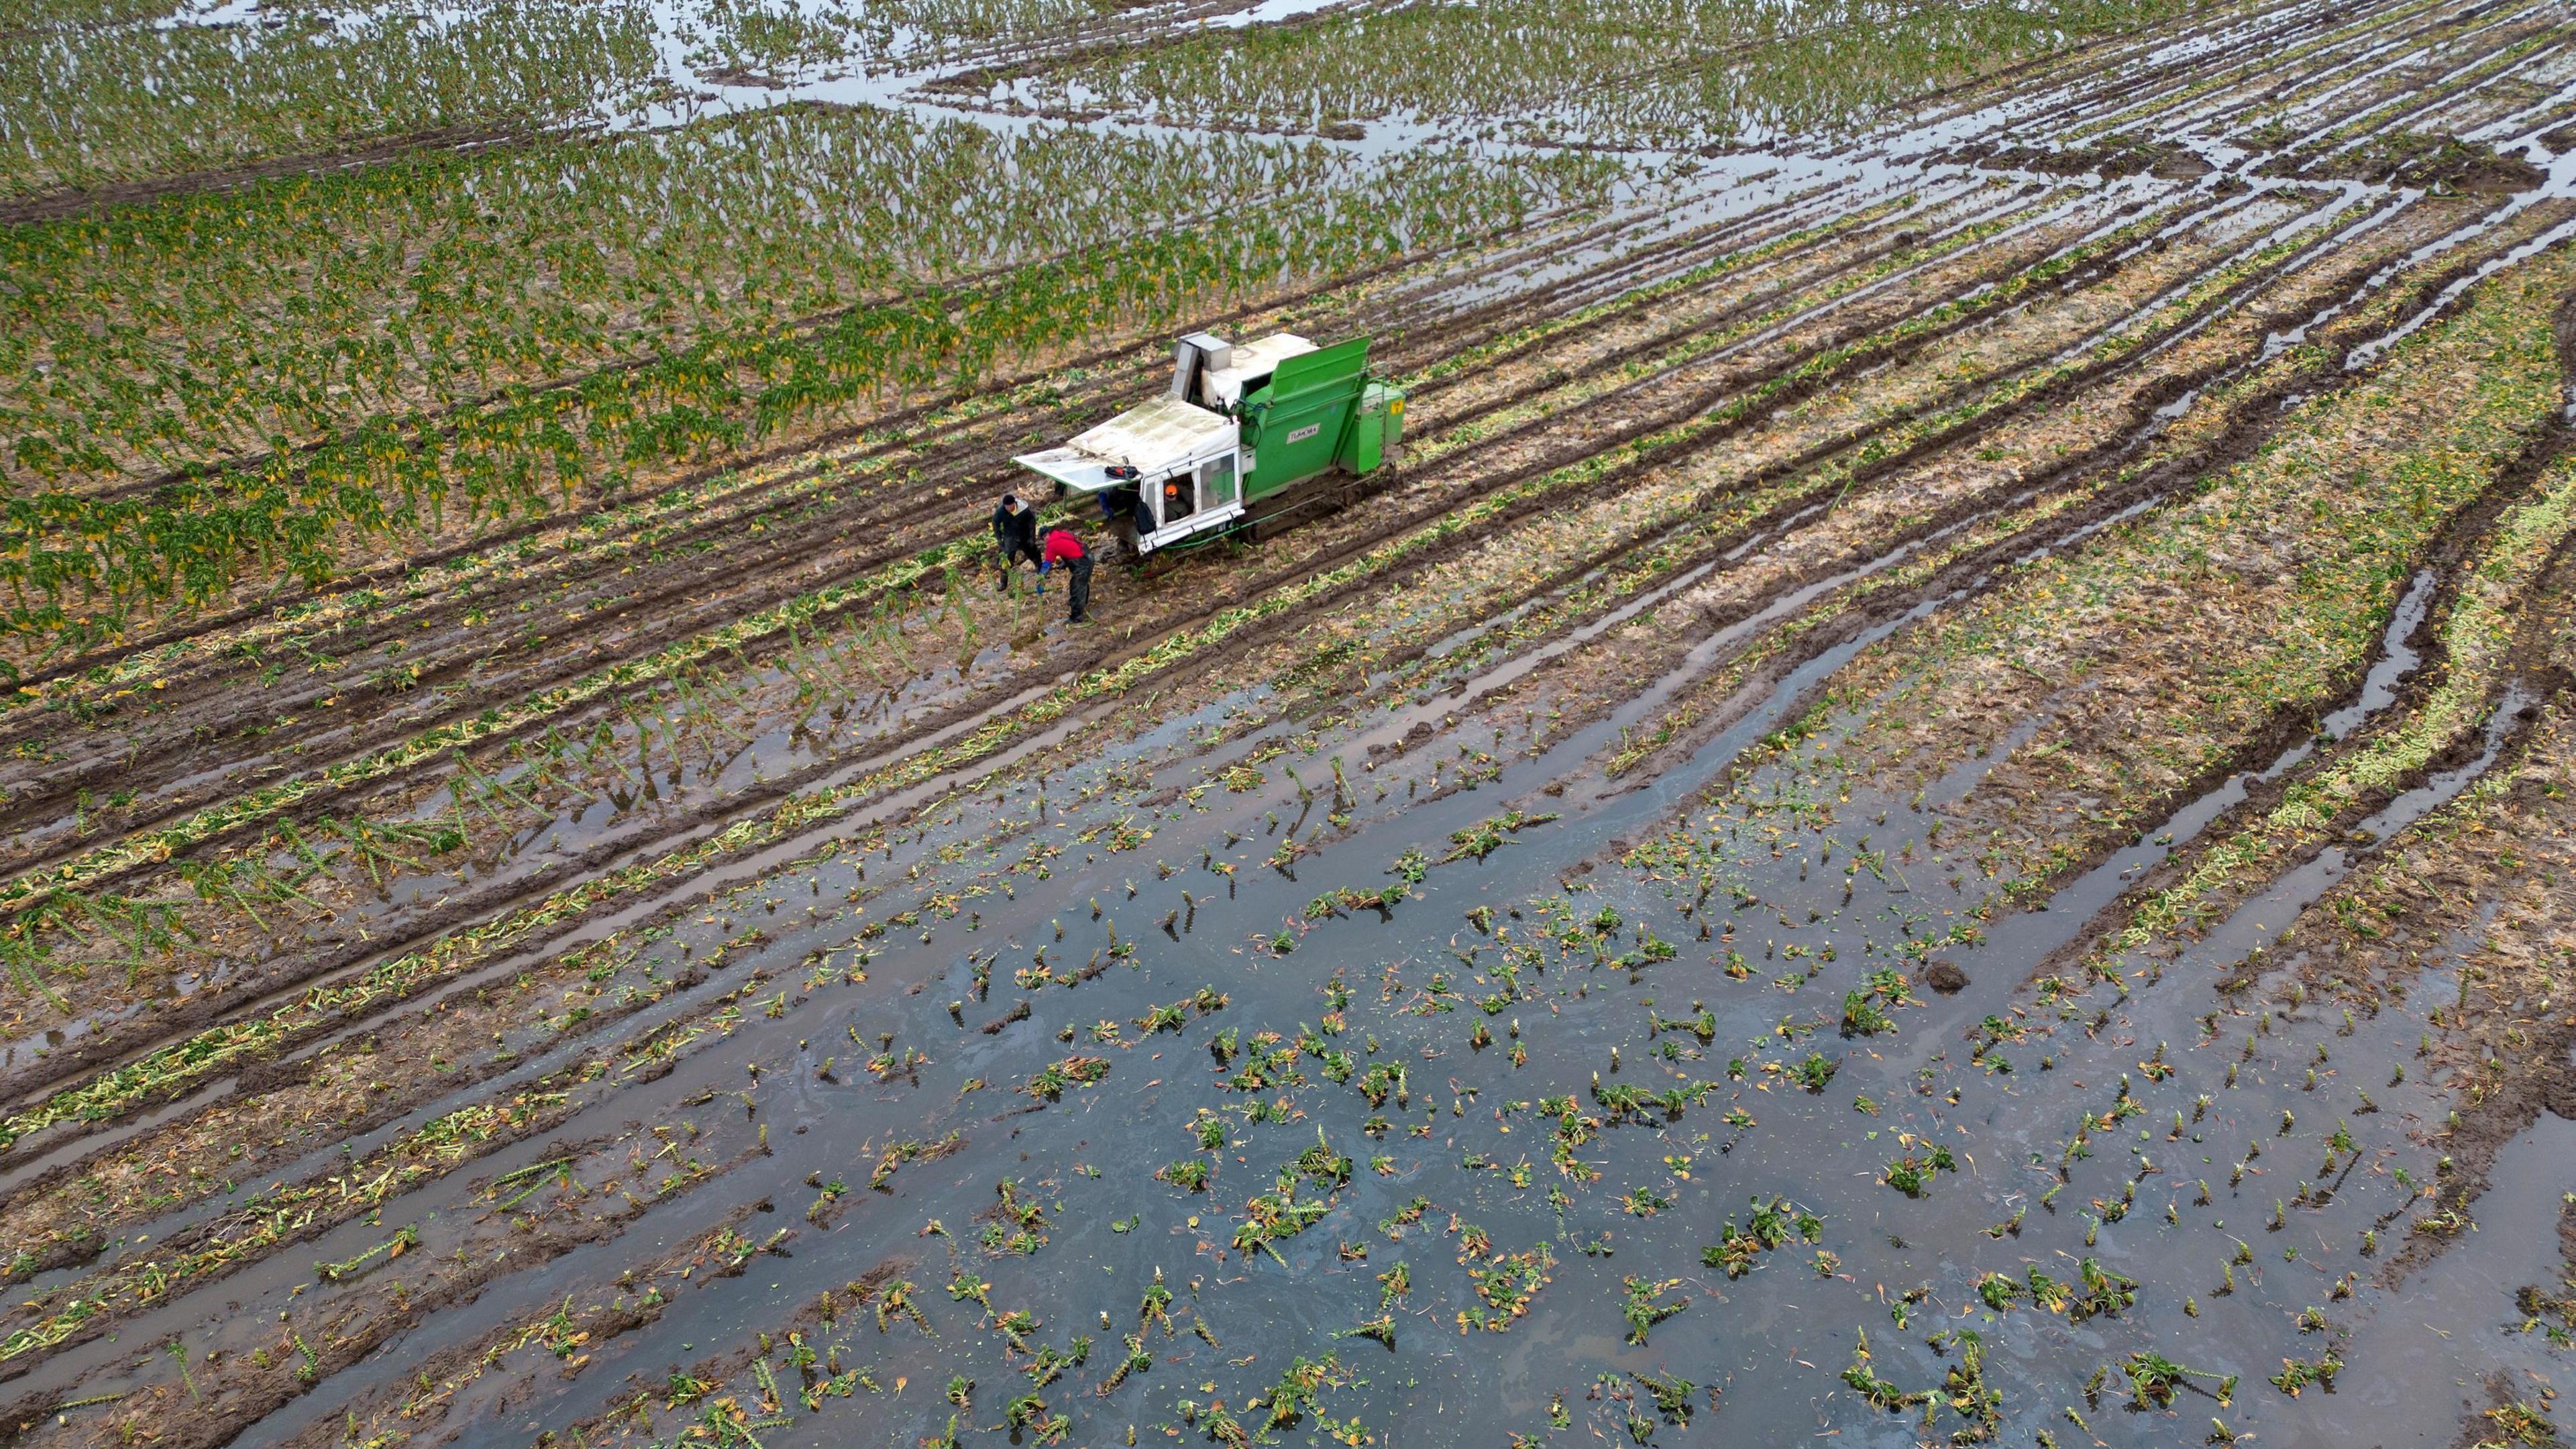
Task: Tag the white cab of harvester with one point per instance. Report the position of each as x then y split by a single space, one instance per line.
1181 453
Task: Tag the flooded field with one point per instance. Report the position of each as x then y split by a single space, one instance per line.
1932 805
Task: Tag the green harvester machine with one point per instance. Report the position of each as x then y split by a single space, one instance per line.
1247 436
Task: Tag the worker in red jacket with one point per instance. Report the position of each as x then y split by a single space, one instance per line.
1064 550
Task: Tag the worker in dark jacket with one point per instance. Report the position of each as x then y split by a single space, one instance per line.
1064 550
1015 535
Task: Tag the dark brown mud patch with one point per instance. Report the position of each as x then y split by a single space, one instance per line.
2114 156
2434 162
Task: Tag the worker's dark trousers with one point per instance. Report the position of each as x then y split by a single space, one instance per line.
1009 556
1080 588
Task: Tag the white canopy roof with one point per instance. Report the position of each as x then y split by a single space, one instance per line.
1153 438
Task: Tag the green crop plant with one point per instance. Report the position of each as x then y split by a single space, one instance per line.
1671 1393
2153 1379
1380 1329
1876 1391
2297 1375
1966 1390
1505 1284
1475 842
1771 1225
1643 1304
1273 1216
1913 1173
2099 1291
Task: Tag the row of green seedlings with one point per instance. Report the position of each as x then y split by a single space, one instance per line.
300 514
171 1067
700 707
124 103
423 286
1726 71
150 933
272 1218
285 1214
541 776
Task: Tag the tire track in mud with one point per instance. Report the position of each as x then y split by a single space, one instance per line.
2156 404
2325 58
786 553
2269 740
25 208
2513 547
2461 556
353 1322
2516 48
2154 93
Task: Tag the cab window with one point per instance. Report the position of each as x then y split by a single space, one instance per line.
1216 482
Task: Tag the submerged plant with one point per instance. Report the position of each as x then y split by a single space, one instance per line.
1877 1391
1643 1306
